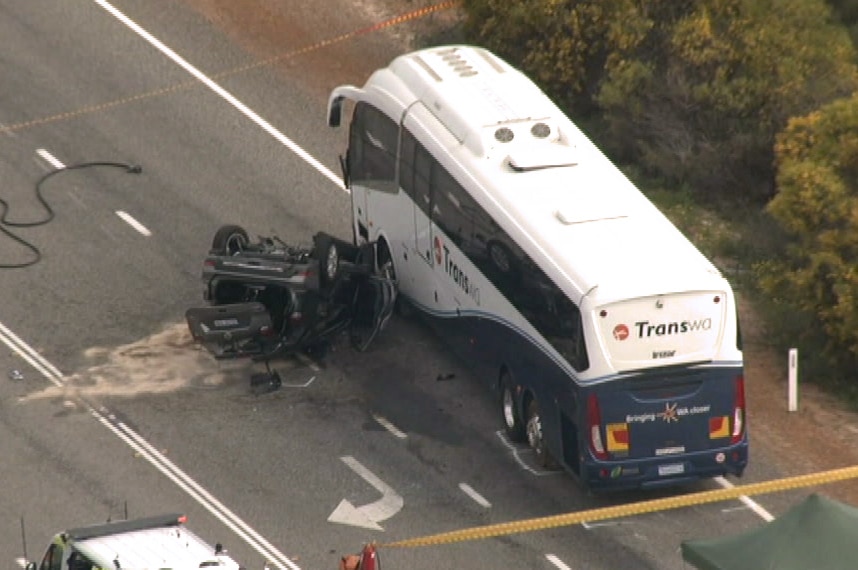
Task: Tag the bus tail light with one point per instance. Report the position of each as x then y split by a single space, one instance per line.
739 411
618 437
719 427
594 423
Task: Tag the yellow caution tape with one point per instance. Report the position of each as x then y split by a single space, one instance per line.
530 525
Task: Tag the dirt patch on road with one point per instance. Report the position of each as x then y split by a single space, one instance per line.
166 361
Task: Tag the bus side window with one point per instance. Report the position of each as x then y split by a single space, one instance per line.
372 145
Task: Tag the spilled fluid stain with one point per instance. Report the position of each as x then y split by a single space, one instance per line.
166 361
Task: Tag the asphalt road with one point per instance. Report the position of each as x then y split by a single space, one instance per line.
141 422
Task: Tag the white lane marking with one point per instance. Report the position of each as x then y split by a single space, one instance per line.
753 505
590 526
557 562
304 385
35 359
50 159
515 454
389 426
153 456
479 499
367 516
129 219
223 93
22 562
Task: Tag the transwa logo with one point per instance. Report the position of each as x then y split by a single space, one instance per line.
438 253
645 329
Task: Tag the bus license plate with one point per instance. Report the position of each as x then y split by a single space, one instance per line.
671 469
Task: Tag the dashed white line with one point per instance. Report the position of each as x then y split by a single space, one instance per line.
557 562
50 159
389 426
479 499
129 219
589 526
753 505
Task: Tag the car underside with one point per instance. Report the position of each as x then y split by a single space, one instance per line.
266 298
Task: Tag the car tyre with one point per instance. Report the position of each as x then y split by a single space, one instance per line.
328 256
229 240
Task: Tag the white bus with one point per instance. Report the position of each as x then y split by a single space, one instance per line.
611 342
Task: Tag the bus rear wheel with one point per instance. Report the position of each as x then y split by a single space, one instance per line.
536 437
512 422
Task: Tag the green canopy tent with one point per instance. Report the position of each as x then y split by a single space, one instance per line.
819 534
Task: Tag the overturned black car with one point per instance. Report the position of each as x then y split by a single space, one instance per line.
267 298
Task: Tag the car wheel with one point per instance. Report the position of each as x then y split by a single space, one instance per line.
229 240
332 262
327 254
512 422
536 436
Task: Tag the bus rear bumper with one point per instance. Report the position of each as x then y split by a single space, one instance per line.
665 471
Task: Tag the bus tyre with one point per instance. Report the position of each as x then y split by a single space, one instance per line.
535 437
229 240
512 422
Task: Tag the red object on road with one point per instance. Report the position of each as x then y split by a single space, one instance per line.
369 558
366 560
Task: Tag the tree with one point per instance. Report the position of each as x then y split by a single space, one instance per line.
728 76
564 45
691 91
817 206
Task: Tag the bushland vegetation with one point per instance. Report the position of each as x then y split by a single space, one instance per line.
740 117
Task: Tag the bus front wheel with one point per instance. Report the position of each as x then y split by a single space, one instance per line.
512 423
536 437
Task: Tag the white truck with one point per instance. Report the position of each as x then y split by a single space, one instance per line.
153 542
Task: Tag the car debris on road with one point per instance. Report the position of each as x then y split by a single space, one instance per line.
269 299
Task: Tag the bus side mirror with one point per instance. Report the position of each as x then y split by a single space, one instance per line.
335 110
30 566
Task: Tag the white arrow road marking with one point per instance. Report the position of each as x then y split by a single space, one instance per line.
367 516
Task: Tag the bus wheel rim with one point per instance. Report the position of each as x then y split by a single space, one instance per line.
508 408
534 433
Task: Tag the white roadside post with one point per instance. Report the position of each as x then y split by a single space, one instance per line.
792 391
